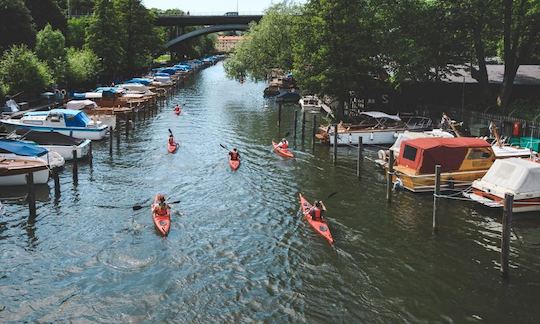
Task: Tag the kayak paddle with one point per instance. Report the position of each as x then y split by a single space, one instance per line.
223 146
332 194
137 207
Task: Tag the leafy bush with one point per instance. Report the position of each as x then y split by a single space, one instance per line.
21 70
50 48
83 67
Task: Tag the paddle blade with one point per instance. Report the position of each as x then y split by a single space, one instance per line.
332 194
222 146
137 207
286 134
174 202
170 132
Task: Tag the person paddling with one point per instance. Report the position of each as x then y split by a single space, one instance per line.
161 207
177 109
171 140
284 144
234 155
317 211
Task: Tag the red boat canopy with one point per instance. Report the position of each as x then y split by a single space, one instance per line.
423 154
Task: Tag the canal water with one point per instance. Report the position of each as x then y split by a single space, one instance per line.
238 249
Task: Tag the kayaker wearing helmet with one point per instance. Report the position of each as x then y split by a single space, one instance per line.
234 155
160 207
284 144
317 211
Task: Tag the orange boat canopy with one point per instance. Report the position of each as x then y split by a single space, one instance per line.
423 154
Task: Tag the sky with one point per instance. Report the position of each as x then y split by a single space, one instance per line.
213 6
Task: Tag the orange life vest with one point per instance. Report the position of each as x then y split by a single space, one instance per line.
161 211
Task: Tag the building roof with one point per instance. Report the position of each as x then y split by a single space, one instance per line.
526 74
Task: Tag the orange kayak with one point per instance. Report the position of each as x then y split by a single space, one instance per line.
172 148
162 222
177 112
234 164
320 227
282 152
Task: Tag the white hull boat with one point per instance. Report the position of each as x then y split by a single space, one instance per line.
13 172
58 143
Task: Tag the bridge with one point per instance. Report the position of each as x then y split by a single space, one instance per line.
211 23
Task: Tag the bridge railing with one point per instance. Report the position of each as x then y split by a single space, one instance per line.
215 13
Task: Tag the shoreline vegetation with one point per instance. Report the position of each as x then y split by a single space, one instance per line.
335 48
47 46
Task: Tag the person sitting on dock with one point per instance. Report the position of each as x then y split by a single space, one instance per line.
284 144
234 155
317 211
161 208
177 109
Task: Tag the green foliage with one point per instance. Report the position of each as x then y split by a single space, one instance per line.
15 24
139 39
46 12
21 70
266 45
105 38
76 31
50 48
83 67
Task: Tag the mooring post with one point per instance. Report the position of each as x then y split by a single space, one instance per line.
295 124
314 130
303 127
126 117
31 197
436 194
359 156
279 115
56 179
389 175
75 166
335 142
90 154
110 140
133 118
506 229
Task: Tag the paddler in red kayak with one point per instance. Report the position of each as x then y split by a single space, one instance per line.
171 140
317 211
177 109
234 155
284 144
161 208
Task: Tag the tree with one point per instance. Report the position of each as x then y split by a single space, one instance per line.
139 41
76 31
266 45
83 67
15 24
21 70
50 48
46 12
521 27
105 39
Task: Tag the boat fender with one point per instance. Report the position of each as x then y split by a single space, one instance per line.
397 185
451 183
371 136
64 92
382 155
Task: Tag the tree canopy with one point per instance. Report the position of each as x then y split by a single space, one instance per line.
46 12
50 48
15 24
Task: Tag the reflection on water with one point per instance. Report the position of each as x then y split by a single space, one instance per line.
238 249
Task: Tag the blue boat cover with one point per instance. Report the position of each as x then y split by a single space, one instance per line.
162 74
73 118
78 96
108 89
143 81
21 148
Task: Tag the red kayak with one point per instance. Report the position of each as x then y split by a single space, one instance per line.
177 112
320 226
162 222
234 164
172 147
282 152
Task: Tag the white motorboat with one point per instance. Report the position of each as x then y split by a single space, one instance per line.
520 177
310 104
14 149
375 128
74 123
59 143
13 171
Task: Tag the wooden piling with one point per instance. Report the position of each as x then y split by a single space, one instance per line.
506 229
436 194
335 142
110 140
31 197
75 166
126 117
295 124
314 132
90 153
303 127
56 178
279 115
389 175
359 156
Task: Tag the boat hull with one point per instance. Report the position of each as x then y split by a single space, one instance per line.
67 151
426 182
40 177
95 134
375 137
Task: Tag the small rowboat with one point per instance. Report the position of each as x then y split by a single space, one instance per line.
282 152
234 164
320 227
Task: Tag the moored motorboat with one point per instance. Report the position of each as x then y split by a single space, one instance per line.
74 123
14 149
13 171
310 103
57 142
519 177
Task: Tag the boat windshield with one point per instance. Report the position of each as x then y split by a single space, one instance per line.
77 120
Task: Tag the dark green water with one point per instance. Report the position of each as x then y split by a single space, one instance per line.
238 249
